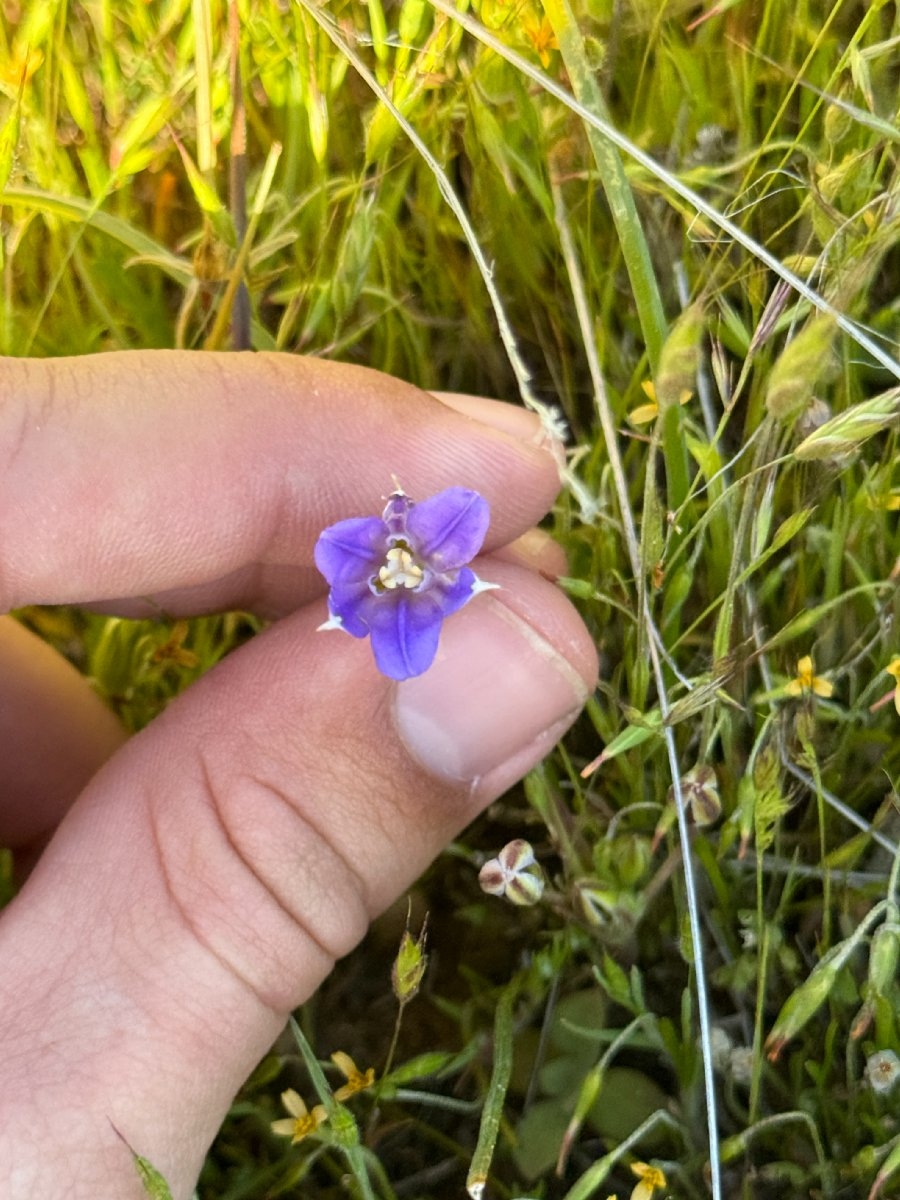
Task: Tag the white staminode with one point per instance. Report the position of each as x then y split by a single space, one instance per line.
400 570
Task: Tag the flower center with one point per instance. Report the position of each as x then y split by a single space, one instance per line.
400 569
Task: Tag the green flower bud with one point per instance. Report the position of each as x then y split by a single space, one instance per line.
632 859
838 122
679 359
803 1004
514 873
803 363
409 966
700 789
883 957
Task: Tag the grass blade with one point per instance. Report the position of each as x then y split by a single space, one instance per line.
614 181
496 1095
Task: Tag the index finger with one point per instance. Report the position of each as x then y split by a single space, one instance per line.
202 480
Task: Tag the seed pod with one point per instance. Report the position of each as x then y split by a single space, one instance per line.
838 122
514 873
803 363
679 360
883 958
802 1004
700 790
409 966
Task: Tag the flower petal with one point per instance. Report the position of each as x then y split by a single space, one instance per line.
293 1102
405 630
447 530
352 600
516 855
493 877
453 594
352 549
345 1064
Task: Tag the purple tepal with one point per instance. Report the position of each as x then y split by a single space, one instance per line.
395 578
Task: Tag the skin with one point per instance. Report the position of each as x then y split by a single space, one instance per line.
194 884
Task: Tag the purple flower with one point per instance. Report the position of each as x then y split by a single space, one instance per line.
396 577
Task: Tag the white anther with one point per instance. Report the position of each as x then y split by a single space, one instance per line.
400 570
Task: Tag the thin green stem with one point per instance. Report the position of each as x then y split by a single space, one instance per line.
614 181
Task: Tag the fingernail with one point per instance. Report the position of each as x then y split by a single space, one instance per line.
497 698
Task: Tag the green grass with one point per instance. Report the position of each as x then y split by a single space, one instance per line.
710 550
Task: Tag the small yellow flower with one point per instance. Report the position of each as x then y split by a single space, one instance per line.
807 681
893 669
16 71
885 502
645 413
357 1081
651 1180
173 651
543 39
301 1123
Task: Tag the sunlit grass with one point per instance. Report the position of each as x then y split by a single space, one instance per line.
712 548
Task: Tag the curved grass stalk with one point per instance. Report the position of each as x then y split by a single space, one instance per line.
614 181
740 1142
144 248
608 425
850 327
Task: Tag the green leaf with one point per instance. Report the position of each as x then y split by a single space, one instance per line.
73 208
613 179
493 1105
634 735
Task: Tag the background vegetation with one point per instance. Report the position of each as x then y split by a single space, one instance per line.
731 511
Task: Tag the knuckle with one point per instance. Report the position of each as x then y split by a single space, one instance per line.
261 885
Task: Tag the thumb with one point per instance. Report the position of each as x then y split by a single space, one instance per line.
207 879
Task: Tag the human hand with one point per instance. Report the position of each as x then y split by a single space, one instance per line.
205 876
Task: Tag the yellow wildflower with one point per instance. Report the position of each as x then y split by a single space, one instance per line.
173 651
893 669
645 413
651 1180
807 681
357 1081
16 71
301 1123
543 39
886 502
